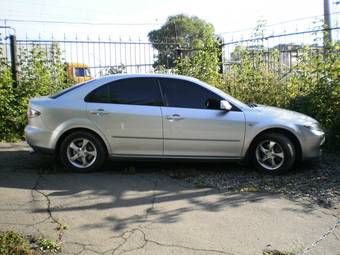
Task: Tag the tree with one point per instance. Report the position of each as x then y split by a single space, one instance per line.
180 32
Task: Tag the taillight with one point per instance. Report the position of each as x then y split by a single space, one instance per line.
31 113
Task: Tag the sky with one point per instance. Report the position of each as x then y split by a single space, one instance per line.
137 18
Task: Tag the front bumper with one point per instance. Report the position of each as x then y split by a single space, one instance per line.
311 147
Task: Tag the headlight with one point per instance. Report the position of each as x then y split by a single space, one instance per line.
315 128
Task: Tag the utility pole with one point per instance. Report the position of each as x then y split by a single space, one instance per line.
327 22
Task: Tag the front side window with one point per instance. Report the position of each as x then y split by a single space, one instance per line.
185 94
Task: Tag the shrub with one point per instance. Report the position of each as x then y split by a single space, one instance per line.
253 77
13 243
202 63
314 88
41 72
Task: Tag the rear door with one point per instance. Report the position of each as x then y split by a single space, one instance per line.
195 126
128 112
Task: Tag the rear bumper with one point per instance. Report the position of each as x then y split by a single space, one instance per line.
42 150
38 139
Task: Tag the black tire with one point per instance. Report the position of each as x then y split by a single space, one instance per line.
95 144
271 146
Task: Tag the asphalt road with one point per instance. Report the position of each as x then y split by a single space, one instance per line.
133 208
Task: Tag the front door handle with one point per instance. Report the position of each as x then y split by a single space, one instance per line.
174 117
99 112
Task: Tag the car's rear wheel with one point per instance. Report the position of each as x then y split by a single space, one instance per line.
82 151
273 153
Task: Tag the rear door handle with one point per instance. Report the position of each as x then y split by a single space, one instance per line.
99 112
174 117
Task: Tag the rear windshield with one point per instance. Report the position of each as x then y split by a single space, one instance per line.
65 91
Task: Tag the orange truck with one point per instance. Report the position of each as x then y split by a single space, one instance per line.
78 72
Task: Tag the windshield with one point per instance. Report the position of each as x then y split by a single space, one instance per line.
64 91
81 72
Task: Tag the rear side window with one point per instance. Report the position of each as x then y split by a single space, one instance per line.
185 94
133 91
99 95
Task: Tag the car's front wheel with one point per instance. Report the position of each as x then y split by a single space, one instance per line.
273 153
82 151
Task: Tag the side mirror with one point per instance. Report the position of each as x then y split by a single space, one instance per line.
224 105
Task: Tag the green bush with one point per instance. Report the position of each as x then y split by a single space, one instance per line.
253 78
12 243
41 72
314 88
202 63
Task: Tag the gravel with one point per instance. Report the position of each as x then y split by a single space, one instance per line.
317 182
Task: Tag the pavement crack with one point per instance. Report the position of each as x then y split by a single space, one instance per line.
323 237
147 240
60 227
153 200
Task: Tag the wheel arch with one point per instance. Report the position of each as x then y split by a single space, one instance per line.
282 131
71 130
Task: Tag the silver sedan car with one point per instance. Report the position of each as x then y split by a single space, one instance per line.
157 116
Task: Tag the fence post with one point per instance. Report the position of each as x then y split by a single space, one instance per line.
220 55
14 63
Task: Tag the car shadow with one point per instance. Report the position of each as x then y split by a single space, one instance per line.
129 184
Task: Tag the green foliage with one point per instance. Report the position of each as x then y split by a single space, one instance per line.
47 245
254 78
12 243
183 32
203 63
41 72
7 100
314 88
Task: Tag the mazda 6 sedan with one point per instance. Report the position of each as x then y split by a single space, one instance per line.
158 116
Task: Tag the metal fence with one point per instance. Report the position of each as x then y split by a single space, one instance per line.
286 45
101 56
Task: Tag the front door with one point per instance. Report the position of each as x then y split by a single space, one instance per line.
194 125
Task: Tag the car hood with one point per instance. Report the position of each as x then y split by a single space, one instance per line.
283 114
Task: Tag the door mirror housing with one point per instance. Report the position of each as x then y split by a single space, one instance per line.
225 105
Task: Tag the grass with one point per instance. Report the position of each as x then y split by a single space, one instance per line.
13 243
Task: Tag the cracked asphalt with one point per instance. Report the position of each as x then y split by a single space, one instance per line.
136 208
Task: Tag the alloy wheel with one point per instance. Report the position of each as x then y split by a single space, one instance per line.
270 155
81 153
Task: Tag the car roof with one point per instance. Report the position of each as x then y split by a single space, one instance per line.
147 75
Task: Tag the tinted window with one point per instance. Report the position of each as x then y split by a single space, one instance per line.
185 94
99 95
135 91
